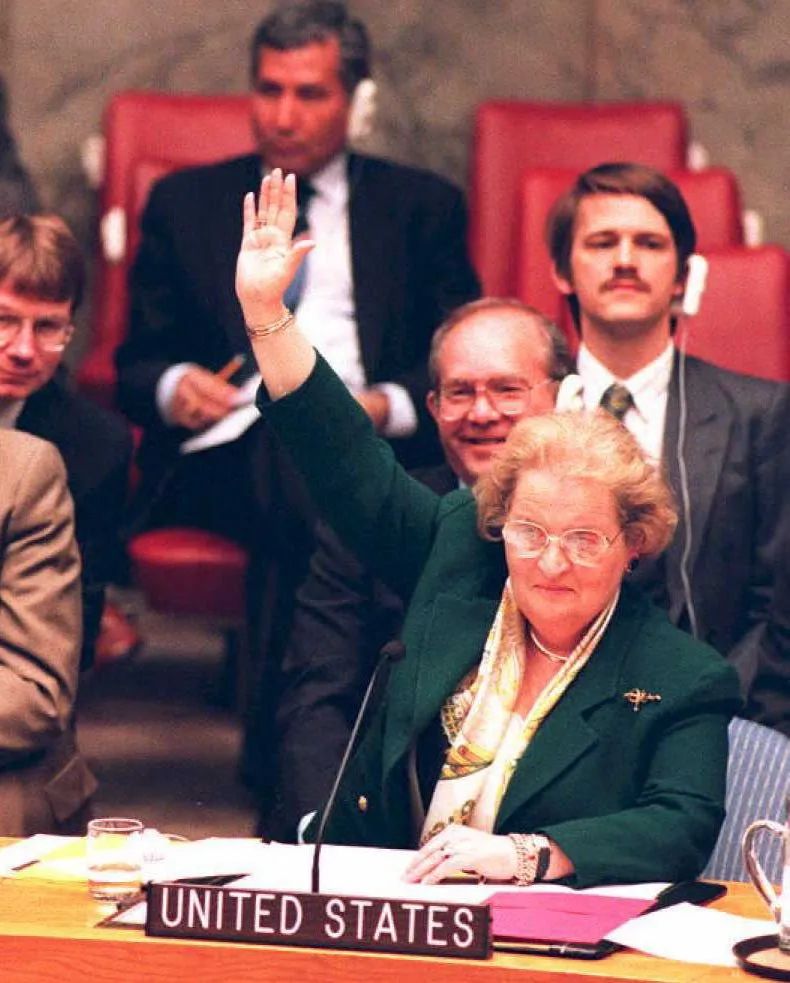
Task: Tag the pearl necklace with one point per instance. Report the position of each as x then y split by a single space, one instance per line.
551 656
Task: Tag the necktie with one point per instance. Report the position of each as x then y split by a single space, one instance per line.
304 192
617 400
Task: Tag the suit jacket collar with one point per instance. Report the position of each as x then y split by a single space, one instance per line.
566 733
708 426
42 413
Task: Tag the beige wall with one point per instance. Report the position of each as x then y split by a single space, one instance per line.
726 59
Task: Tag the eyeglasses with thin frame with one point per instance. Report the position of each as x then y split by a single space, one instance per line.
586 547
508 396
51 334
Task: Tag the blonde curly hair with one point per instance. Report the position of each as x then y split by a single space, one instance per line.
593 446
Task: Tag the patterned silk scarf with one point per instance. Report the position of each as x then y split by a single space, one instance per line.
486 737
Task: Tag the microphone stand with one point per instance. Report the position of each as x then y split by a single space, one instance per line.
393 651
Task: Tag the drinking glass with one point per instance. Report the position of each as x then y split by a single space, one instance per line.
114 857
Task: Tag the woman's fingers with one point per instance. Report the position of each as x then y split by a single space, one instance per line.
263 200
271 208
437 859
276 204
248 214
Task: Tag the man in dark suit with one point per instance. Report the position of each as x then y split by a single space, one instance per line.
620 240
41 282
491 363
390 262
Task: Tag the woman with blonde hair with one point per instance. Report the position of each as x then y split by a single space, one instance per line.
547 722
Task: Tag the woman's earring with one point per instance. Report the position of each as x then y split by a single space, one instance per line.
632 564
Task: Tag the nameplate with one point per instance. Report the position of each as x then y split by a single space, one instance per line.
230 914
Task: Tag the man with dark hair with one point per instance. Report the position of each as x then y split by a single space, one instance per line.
620 241
390 262
492 362
41 285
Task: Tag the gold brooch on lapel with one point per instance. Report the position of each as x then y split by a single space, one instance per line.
638 697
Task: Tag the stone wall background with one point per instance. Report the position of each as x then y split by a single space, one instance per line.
727 60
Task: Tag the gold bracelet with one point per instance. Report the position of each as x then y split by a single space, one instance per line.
533 854
285 320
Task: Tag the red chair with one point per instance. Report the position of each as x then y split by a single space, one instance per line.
744 318
511 136
712 196
148 135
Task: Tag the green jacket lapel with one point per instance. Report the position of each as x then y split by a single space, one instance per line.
453 643
565 734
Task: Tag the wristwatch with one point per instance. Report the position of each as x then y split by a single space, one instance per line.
533 856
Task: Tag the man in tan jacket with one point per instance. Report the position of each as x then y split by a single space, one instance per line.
44 782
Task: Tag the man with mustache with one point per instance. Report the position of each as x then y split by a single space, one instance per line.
492 362
620 240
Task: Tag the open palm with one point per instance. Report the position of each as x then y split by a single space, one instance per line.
268 259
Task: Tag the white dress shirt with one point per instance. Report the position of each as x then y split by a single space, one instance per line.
649 388
326 308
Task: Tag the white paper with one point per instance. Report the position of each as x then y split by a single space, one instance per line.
689 933
232 426
29 851
214 855
370 872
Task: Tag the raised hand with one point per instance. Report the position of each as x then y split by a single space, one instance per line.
268 259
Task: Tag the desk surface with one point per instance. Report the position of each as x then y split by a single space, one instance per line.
48 932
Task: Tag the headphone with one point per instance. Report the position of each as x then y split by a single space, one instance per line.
362 110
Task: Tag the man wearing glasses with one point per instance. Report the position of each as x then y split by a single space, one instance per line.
491 363
41 284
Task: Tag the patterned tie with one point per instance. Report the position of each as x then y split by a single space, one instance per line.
304 192
617 400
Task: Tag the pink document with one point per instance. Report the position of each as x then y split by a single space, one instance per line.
559 916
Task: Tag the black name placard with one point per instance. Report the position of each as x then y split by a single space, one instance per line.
234 914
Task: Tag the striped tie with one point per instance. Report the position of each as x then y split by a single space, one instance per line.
617 400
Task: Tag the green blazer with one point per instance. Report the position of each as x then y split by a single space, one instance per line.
629 795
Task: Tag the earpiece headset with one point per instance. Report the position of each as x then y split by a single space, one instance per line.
692 295
362 110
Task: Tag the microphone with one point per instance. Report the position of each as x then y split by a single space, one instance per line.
393 651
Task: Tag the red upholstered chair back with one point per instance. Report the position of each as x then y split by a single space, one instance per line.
712 196
511 136
148 134
744 319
